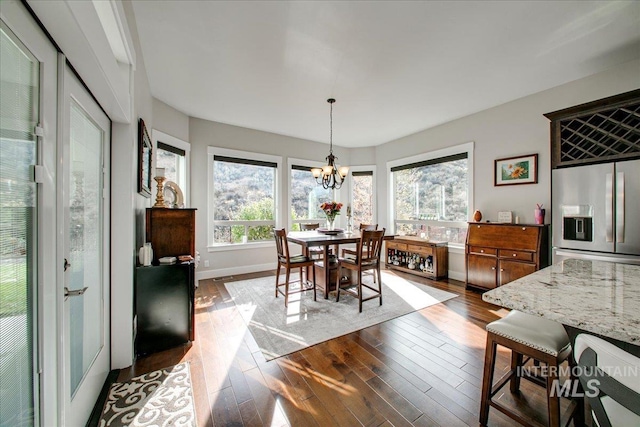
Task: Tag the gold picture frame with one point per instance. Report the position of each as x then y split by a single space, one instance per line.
145 149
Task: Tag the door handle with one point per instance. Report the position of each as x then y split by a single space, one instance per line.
67 264
620 207
75 293
608 207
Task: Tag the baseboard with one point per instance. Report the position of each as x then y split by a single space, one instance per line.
224 272
457 275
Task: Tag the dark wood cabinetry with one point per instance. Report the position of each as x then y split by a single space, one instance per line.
171 232
418 256
605 130
497 254
165 294
164 307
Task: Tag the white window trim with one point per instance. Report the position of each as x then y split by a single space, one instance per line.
365 168
300 162
165 138
217 151
444 152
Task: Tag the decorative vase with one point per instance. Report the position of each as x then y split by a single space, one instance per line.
145 255
539 215
331 223
477 216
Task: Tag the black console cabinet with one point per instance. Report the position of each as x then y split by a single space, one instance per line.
164 307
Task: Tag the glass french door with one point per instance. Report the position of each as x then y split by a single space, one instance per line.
19 116
84 200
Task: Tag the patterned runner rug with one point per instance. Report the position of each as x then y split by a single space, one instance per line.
280 331
159 398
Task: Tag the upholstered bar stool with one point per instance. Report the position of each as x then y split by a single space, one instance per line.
537 338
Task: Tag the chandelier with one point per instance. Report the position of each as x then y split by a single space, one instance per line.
330 176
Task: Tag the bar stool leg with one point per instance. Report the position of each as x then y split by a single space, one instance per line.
516 365
487 378
553 402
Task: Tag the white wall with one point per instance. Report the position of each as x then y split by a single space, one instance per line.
511 129
170 121
127 206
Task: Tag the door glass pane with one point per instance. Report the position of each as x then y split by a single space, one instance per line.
19 77
85 243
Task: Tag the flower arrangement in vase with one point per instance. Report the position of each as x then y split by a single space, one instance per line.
331 210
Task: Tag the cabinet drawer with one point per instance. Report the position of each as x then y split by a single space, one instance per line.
482 251
425 250
396 245
507 236
517 255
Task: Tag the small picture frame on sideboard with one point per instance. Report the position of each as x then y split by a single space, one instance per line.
505 217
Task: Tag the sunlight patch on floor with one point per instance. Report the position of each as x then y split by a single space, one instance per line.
410 293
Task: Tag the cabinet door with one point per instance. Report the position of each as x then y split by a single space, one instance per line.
481 271
512 270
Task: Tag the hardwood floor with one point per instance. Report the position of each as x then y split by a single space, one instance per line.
422 369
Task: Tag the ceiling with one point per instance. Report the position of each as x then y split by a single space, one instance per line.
395 68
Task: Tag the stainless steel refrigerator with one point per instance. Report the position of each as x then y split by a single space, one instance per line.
596 212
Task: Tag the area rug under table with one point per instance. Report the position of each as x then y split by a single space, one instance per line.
280 331
159 398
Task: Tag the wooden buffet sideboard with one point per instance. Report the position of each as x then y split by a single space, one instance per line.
500 253
418 256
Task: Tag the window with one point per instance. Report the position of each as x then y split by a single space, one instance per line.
362 196
431 194
172 154
306 196
243 201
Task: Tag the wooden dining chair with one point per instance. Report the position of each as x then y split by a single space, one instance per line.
367 259
315 252
290 262
352 253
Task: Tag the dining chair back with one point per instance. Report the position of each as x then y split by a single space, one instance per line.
309 226
367 258
315 252
610 378
289 262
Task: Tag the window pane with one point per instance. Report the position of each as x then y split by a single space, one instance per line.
362 209
174 166
434 192
307 196
243 193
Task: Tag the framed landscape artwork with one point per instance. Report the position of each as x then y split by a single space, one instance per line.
144 160
516 170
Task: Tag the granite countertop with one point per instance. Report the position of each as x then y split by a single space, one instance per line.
595 296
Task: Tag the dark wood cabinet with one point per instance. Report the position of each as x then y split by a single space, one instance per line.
164 294
605 130
164 307
171 232
481 270
418 256
497 254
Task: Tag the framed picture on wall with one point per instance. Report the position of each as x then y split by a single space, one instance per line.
516 170
144 160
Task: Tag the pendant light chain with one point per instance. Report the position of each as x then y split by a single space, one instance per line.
330 176
331 101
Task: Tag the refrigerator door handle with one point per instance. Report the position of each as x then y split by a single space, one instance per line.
608 208
620 207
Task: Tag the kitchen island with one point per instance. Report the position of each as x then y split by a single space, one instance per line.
598 297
